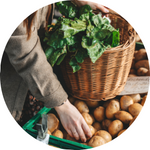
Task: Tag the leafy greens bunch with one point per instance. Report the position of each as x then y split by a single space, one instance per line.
81 33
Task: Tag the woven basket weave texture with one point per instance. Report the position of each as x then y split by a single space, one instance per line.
105 78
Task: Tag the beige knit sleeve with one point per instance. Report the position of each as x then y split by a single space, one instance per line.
29 60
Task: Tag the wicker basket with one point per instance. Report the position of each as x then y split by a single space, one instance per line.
105 78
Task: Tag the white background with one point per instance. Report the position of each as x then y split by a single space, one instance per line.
12 13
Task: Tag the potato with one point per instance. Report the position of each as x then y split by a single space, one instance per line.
142 63
92 129
142 71
58 133
89 119
105 104
140 55
52 122
71 138
92 104
148 73
121 132
143 100
99 113
104 134
132 120
136 97
123 116
81 106
136 51
132 75
64 133
96 141
97 126
135 109
112 108
115 127
125 102
106 123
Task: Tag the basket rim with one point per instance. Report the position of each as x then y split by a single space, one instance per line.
120 47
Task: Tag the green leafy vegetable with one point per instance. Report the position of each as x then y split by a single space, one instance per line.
53 55
81 55
67 9
115 38
74 64
81 33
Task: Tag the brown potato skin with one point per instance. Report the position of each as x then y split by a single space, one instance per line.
58 133
81 106
132 75
115 127
112 108
148 73
121 132
142 63
105 135
92 104
107 102
64 133
52 122
123 116
125 102
97 126
136 97
142 71
92 129
99 113
68 137
135 109
140 55
96 141
88 118
132 120
106 123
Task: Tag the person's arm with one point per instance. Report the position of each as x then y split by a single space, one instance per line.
29 60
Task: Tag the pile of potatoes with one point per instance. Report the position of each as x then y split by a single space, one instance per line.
106 119
140 64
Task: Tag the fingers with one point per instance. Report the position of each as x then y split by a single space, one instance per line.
102 8
87 130
81 134
75 134
80 131
69 132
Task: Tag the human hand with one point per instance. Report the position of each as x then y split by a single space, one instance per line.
73 122
94 6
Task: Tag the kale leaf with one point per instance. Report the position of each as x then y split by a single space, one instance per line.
68 9
81 33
